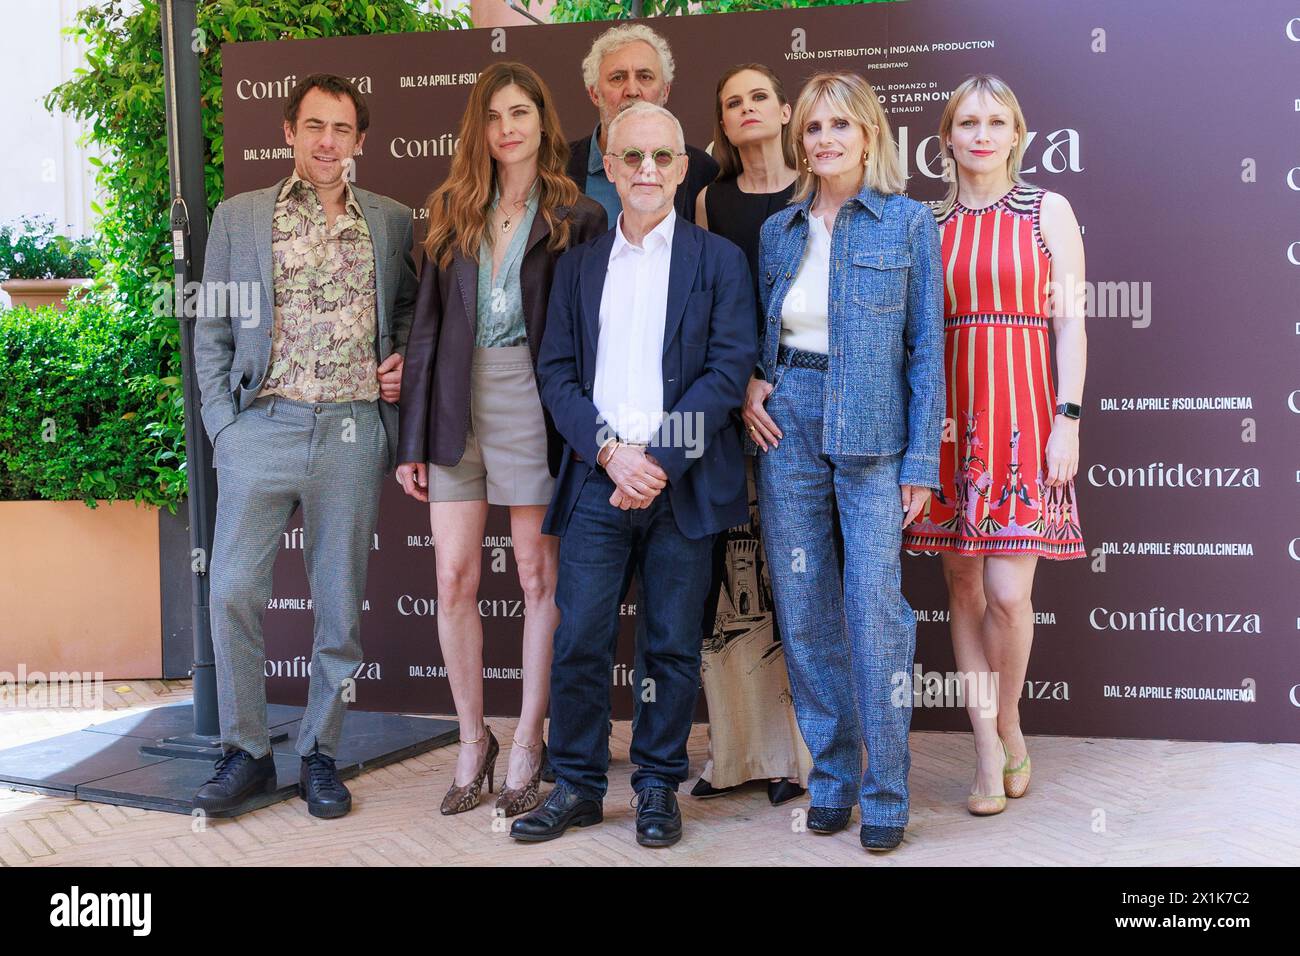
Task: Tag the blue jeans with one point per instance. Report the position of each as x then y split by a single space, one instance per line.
850 641
601 544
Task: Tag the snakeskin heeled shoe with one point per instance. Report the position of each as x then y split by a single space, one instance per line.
460 799
513 801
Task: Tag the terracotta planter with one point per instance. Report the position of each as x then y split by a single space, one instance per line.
37 292
79 589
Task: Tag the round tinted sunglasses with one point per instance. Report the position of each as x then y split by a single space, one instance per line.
633 157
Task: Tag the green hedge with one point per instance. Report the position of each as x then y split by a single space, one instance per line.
78 398
119 97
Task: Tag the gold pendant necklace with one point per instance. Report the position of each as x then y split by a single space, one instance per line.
505 226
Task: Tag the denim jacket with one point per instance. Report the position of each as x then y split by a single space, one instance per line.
885 388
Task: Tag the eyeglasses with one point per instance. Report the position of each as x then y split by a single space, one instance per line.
633 157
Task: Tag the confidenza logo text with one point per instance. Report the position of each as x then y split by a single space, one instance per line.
1160 475
280 89
1176 621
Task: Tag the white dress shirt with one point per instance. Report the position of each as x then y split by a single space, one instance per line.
805 313
629 386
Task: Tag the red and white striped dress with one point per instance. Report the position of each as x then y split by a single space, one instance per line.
993 498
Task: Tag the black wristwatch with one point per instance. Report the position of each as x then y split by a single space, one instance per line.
1069 410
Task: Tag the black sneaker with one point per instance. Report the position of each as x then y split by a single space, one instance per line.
658 818
320 786
237 778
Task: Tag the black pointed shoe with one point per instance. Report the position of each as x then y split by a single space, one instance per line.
783 791
880 838
658 818
561 809
703 790
828 819
237 777
320 786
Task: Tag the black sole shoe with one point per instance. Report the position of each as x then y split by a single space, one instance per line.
828 820
654 842
328 811
237 779
321 789
218 807
658 817
880 839
703 790
783 791
585 819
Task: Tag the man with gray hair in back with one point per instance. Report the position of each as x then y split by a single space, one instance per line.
630 64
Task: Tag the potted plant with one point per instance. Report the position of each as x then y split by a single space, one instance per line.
40 267
82 479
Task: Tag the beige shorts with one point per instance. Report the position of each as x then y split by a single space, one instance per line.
505 450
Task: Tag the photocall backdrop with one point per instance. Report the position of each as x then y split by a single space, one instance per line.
1174 135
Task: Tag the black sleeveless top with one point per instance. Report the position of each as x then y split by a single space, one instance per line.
739 216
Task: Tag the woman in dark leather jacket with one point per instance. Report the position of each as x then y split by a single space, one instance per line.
472 429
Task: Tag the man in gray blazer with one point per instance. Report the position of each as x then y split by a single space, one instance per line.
308 294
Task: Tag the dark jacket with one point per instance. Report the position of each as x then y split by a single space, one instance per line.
710 347
434 405
701 169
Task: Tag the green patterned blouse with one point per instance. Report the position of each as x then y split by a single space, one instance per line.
501 302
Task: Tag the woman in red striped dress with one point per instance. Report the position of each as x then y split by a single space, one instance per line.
1013 266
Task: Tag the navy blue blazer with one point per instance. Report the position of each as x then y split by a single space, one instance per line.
710 347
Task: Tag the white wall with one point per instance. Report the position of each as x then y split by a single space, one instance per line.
42 169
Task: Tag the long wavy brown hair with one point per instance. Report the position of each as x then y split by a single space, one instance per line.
458 210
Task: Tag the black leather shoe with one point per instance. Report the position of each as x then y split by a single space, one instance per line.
707 791
783 791
658 818
880 838
320 786
828 819
561 809
238 777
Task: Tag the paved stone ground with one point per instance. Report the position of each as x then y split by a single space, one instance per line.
1095 802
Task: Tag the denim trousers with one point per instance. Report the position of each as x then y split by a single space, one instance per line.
600 547
850 636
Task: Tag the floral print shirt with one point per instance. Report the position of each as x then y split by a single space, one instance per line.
323 341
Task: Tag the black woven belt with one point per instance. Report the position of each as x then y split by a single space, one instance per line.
798 358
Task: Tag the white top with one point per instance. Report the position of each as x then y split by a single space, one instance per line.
629 386
804 317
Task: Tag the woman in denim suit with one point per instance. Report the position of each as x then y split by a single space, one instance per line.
847 407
